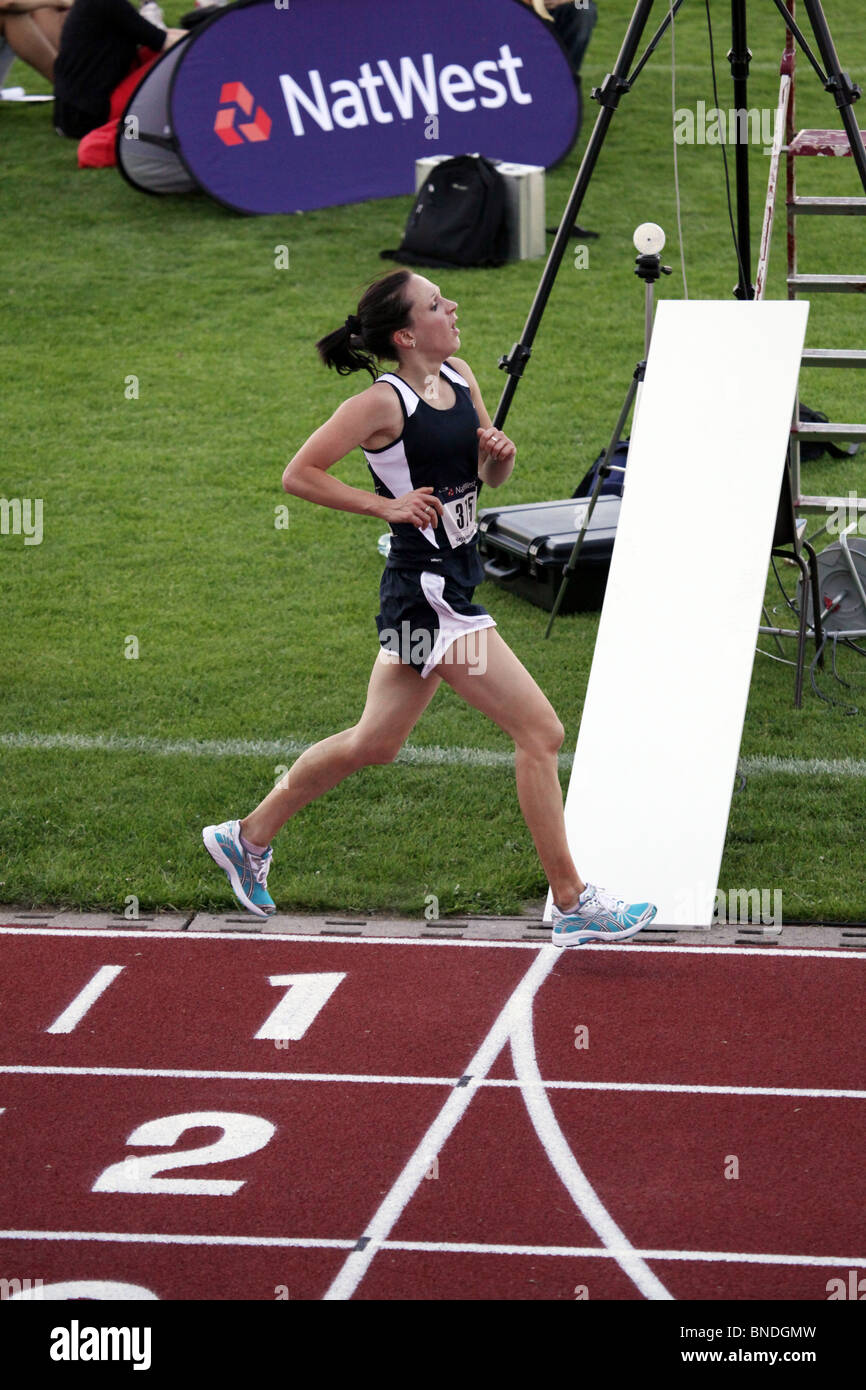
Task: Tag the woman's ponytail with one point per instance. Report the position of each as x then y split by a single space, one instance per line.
365 336
344 349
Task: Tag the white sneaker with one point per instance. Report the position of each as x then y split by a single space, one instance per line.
151 11
599 916
247 873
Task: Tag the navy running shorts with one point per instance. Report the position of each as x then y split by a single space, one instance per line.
423 617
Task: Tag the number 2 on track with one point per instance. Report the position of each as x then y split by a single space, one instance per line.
242 1135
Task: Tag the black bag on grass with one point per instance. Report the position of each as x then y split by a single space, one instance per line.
614 482
810 450
458 219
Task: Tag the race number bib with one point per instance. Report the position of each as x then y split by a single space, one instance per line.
458 518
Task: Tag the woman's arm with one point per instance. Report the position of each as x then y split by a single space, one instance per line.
372 417
540 7
496 452
122 17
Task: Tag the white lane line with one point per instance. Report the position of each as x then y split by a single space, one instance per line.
106 933
667 948
802 767
598 1252
364 1078
74 1012
556 1146
161 1238
184 1074
432 756
592 1252
687 1088
390 1209
244 748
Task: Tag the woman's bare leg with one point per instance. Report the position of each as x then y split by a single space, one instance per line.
29 38
51 22
500 686
396 698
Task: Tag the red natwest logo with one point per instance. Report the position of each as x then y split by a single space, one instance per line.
235 94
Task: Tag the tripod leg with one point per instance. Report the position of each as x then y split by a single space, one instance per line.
572 559
618 428
774 635
603 472
739 58
608 95
839 83
816 603
801 634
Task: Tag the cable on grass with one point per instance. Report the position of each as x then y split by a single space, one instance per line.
742 271
835 704
674 142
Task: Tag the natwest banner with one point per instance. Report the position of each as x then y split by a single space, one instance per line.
285 105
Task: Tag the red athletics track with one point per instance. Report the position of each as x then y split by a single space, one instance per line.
699 1133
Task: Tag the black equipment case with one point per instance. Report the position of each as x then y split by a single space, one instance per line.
526 548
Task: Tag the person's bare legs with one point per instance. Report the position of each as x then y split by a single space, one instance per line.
51 22
35 37
396 698
490 677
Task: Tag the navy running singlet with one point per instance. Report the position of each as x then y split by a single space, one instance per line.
438 449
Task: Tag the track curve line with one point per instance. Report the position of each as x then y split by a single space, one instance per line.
556 1146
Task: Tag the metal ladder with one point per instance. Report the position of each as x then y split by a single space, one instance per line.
793 541
821 143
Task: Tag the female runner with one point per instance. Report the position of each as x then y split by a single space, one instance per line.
428 442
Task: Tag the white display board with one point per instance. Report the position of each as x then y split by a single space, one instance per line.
653 775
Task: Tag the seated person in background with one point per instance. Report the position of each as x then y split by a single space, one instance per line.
32 30
99 45
573 22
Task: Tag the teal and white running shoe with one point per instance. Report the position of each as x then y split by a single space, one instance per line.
600 917
247 873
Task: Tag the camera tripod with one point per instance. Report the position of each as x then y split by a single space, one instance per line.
617 83
648 268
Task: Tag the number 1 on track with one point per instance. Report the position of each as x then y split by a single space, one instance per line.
305 997
74 1012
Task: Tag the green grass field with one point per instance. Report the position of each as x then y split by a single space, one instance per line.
159 517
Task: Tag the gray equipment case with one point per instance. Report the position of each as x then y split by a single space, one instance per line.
525 548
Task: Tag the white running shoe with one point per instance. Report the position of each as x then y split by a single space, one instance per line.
247 873
599 917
